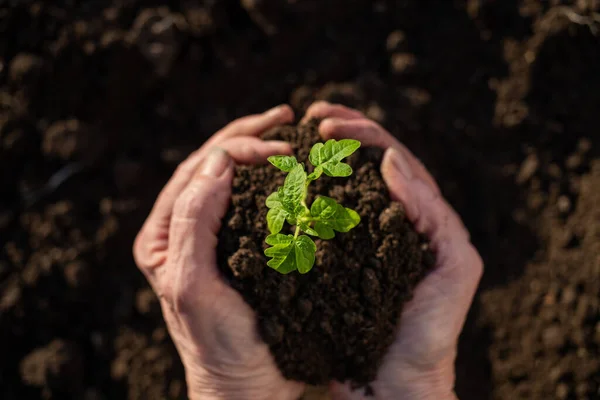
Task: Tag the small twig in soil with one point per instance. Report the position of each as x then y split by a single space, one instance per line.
30 197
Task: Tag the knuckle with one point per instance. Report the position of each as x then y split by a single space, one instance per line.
138 249
144 254
189 203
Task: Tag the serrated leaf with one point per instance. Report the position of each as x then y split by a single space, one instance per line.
324 231
294 190
329 213
283 258
273 201
275 219
279 239
307 229
284 163
297 254
329 157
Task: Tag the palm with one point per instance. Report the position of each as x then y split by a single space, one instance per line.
219 330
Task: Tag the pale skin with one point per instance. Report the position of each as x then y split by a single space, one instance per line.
214 330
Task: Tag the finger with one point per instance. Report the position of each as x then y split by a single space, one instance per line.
323 109
243 128
254 125
244 150
407 187
151 244
152 241
249 126
251 150
370 133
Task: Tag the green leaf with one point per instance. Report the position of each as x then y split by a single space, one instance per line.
294 191
288 252
328 156
316 174
291 220
329 213
275 219
291 254
324 231
307 229
305 253
282 258
273 201
339 169
284 163
279 239
315 155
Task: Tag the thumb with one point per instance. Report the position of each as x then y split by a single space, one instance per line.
196 220
206 197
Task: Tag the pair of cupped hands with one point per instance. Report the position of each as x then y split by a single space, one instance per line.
215 331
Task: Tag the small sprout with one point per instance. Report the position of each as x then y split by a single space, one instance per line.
288 204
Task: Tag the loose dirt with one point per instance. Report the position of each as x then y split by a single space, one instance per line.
99 101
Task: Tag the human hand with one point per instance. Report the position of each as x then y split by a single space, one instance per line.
213 329
420 363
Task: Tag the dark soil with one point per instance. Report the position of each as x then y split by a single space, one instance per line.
337 321
99 101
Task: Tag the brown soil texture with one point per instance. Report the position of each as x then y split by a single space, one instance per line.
337 321
99 101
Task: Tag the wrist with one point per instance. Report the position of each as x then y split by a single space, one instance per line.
211 394
203 385
420 384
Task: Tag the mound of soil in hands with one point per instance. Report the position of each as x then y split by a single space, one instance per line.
499 99
337 321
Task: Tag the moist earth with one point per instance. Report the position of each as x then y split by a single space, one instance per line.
337 321
100 101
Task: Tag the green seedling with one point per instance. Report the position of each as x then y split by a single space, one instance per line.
288 204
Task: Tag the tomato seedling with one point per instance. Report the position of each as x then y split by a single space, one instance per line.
288 204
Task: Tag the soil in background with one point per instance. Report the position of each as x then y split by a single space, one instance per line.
337 321
99 102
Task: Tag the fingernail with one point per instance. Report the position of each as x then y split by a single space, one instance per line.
400 163
215 163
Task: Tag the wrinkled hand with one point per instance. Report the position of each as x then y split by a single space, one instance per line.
420 363
213 329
